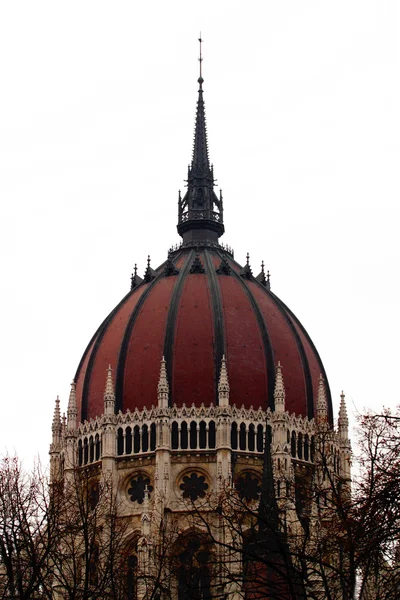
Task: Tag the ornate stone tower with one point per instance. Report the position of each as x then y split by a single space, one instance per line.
198 375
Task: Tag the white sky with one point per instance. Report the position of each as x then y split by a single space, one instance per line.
97 109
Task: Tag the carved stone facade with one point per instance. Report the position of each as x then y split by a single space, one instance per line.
170 459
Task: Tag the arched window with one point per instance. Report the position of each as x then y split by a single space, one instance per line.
120 441
252 436
145 438
184 436
202 435
260 438
193 435
300 446
131 572
152 437
312 449
211 434
242 436
85 451
174 436
293 444
80 453
193 568
234 436
306 447
128 440
97 447
136 439
91 449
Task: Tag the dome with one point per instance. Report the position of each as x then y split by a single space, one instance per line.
198 306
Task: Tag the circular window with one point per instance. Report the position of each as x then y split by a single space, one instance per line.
137 487
194 486
248 487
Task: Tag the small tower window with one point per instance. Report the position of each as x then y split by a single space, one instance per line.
251 438
193 435
174 436
211 435
152 437
184 436
234 436
128 440
260 438
120 441
202 435
145 438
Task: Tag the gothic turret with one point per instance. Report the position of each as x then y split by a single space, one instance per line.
200 212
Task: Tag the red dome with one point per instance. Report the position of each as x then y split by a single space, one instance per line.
193 309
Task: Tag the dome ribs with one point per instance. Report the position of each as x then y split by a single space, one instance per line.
171 319
96 340
286 348
248 345
193 364
219 332
119 381
314 355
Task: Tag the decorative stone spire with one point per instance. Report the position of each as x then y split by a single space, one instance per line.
223 385
261 276
72 411
135 279
150 274
56 425
279 391
246 272
163 387
343 421
322 405
109 396
200 211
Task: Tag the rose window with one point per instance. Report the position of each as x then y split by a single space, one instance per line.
194 486
248 487
137 488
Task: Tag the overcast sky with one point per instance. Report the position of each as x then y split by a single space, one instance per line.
97 109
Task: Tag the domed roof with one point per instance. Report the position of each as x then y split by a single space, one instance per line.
193 309
196 307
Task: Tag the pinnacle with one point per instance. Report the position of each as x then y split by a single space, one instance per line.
322 405
343 418
109 395
279 391
56 416
72 409
223 385
163 386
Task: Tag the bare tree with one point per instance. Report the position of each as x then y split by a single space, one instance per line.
27 531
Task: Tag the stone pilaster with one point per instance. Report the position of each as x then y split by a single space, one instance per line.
108 425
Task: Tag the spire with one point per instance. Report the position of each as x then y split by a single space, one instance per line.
163 387
322 405
56 425
200 212
150 274
135 279
279 391
109 396
246 272
72 411
343 421
223 385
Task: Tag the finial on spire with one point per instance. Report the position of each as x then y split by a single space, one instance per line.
247 259
150 274
135 279
200 212
200 79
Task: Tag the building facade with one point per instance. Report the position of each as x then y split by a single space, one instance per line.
199 390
